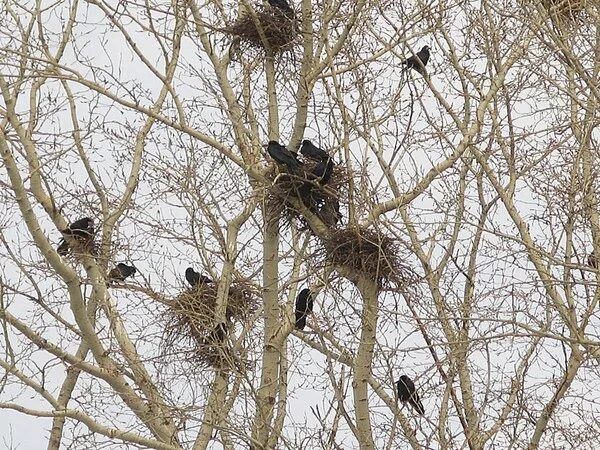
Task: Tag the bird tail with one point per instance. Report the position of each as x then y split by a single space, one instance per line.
417 404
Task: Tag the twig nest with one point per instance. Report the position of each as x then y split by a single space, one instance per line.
324 201
191 321
564 10
368 252
270 29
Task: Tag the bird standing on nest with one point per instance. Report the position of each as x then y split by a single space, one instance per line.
121 272
407 392
304 307
81 230
282 5
418 61
324 170
311 151
194 278
283 156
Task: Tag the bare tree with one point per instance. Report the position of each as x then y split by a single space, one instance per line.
455 243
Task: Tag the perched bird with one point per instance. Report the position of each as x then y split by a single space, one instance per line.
282 5
218 334
330 212
311 151
408 393
324 170
82 230
82 227
121 272
194 278
283 156
304 307
418 61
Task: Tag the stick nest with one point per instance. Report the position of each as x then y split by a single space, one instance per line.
315 197
269 29
564 10
191 320
368 252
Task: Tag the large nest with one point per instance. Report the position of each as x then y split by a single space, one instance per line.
564 10
271 29
368 252
191 320
324 201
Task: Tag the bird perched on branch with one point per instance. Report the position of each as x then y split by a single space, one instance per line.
304 307
194 278
82 230
121 272
311 151
418 61
324 170
408 393
283 156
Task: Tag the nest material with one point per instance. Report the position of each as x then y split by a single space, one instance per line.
270 29
564 10
369 253
191 319
321 200
78 246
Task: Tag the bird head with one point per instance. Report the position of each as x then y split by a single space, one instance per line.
273 143
425 48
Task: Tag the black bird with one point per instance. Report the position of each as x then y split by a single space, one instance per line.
282 5
120 272
81 230
304 307
418 61
408 393
283 156
324 170
194 278
311 151
82 227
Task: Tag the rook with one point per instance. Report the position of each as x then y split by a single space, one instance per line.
408 393
418 61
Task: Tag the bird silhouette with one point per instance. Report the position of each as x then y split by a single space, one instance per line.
304 307
194 278
311 151
82 230
408 393
283 156
323 171
418 61
121 272
283 5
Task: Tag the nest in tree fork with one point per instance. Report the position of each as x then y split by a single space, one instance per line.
369 253
191 319
564 10
300 186
271 29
